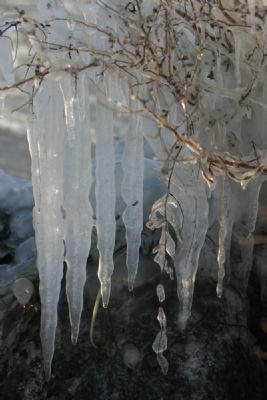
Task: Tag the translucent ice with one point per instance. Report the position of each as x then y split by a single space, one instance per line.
132 193
105 195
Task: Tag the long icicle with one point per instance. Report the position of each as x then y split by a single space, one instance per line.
105 194
45 136
132 193
68 85
78 221
222 236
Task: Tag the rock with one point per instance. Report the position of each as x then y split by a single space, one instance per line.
25 251
23 290
14 193
213 359
21 226
131 355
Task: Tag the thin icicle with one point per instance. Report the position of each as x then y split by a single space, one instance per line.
77 219
251 7
162 318
68 85
6 61
221 245
2 106
45 137
105 195
189 189
160 292
238 44
163 363
132 194
247 223
160 343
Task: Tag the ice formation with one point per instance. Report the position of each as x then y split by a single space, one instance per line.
105 196
46 140
132 193
192 90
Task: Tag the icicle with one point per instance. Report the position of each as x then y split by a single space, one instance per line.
162 318
160 343
68 84
2 106
163 363
6 62
221 246
132 194
251 7
189 189
76 207
45 137
160 292
238 44
105 193
247 223
51 9
231 193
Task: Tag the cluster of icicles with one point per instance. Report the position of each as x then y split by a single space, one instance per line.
60 137
62 180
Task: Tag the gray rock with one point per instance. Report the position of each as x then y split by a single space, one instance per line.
21 225
25 251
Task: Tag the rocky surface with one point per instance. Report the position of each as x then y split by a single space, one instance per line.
214 359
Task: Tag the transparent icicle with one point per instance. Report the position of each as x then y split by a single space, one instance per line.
77 211
2 106
248 222
222 236
162 318
132 194
160 343
160 292
251 7
71 104
190 190
45 136
6 61
105 195
163 363
238 44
